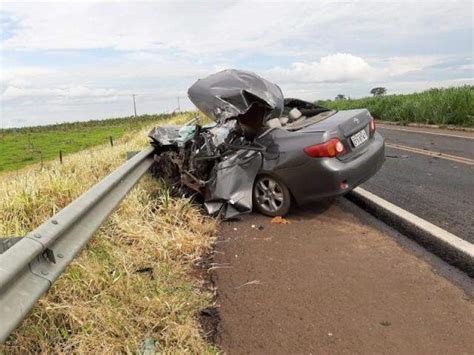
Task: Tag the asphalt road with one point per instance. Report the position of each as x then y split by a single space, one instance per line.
438 189
335 281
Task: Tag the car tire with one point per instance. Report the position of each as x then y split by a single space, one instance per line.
271 197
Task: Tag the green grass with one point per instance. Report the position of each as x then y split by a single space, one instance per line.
103 303
20 147
451 106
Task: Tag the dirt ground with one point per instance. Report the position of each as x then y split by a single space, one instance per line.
331 283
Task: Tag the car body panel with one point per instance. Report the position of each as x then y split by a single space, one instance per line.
320 178
231 93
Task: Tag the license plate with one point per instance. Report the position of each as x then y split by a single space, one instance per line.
359 138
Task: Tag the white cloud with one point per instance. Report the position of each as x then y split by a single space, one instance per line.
22 76
343 67
214 27
339 67
402 65
14 92
157 49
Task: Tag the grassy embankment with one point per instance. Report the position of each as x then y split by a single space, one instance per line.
24 146
451 106
133 281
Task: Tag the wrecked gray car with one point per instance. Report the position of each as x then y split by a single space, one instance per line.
263 151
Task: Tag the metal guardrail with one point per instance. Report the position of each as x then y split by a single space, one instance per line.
30 266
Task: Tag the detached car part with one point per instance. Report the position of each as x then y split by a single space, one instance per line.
262 150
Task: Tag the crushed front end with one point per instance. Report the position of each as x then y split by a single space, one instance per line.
219 161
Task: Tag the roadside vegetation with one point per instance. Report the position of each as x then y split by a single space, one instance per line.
20 147
136 279
450 106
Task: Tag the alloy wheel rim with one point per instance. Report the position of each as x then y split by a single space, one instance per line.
269 194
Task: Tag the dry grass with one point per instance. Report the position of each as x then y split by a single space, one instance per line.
133 281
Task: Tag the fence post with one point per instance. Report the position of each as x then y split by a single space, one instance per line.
60 156
111 141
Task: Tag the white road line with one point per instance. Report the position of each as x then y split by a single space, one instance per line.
423 132
430 153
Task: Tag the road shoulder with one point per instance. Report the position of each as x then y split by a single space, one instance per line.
327 283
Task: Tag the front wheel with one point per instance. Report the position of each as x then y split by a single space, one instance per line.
270 196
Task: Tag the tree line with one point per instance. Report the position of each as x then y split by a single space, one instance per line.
377 91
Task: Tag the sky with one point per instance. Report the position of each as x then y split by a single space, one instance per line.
74 61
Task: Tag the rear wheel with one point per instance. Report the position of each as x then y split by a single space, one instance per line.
270 196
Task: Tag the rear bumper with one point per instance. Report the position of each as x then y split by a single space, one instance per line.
322 178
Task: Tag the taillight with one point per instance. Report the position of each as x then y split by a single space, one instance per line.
372 125
329 149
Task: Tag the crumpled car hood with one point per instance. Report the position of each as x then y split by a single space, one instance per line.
234 93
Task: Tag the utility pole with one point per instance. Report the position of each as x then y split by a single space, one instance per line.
134 105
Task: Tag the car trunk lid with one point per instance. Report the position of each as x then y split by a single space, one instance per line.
345 125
